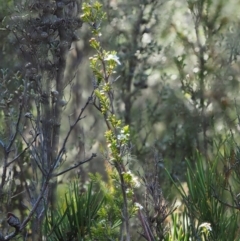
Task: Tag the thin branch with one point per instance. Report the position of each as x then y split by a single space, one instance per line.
21 153
16 130
75 166
224 203
146 227
32 212
62 150
7 149
40 197
36 161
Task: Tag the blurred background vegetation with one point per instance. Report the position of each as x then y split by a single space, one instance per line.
177 88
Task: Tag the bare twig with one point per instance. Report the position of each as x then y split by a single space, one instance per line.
22 152
75 166
62 150
13 137
8 147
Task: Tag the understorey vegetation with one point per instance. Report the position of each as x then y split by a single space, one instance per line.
119 120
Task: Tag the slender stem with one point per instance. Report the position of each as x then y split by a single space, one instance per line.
75 166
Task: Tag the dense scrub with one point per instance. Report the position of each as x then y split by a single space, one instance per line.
119 120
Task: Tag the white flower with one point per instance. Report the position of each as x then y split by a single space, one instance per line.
113 57
206 226
121 137
134 179
136 182
195 70
138 206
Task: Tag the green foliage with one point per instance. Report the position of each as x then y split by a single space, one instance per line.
93 14
103 64
89 215
204 204
76 215
110 216
165 76
180 229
